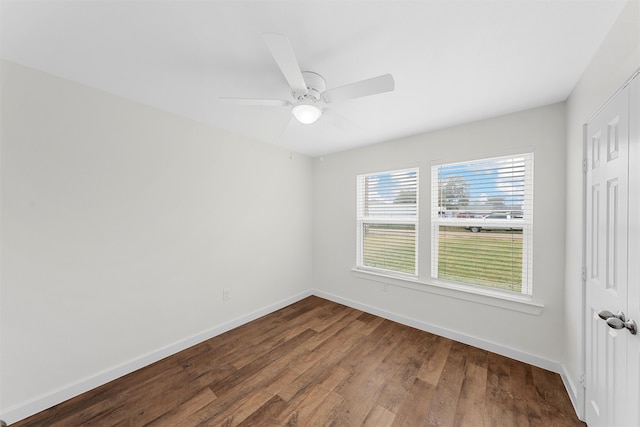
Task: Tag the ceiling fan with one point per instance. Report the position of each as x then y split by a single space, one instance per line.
309 89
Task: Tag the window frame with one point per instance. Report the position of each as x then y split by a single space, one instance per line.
526 224
363 219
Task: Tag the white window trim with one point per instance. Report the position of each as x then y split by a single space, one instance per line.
487 296
527 229
523 303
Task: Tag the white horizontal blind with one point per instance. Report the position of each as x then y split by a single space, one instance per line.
479 188
482 220
387 215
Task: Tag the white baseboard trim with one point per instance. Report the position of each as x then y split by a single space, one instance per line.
576 395
19 412
22 411
531 359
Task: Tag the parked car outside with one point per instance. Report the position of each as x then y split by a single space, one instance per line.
500 216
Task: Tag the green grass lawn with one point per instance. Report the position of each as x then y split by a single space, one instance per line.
389 246
488 258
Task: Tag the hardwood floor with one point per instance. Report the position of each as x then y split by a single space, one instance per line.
318 363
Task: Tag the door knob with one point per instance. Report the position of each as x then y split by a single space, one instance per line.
616 323
606 315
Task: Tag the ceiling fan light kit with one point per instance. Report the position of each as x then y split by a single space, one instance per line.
309 88
306 113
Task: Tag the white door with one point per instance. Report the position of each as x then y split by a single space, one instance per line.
612 259
633 349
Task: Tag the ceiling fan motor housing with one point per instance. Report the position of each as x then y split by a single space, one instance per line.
315 86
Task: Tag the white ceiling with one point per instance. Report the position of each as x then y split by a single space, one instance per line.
452 61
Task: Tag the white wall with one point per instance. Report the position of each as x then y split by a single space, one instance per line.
616 60
121 225
541 130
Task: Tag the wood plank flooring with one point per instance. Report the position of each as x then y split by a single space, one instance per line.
317 363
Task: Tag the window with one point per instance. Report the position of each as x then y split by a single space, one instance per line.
482 222
387 215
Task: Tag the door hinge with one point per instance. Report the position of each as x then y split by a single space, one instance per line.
584 274
584 166
582 381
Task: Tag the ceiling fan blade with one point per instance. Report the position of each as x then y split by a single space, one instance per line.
285 127
359 89
340 122
280 48
256 102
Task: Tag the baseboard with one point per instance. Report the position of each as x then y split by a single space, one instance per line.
531 359
576 395
41 403
19 412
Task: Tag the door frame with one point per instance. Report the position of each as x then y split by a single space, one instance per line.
581 391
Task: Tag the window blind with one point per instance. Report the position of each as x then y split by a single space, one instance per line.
476 189
482 221
387 215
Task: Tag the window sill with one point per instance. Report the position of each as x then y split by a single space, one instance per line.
523 304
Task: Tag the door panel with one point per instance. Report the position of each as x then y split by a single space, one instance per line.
607 180
633 365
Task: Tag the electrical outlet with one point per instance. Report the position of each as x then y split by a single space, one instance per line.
226 294
385 287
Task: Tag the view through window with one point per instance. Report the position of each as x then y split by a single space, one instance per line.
387 211
482 221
